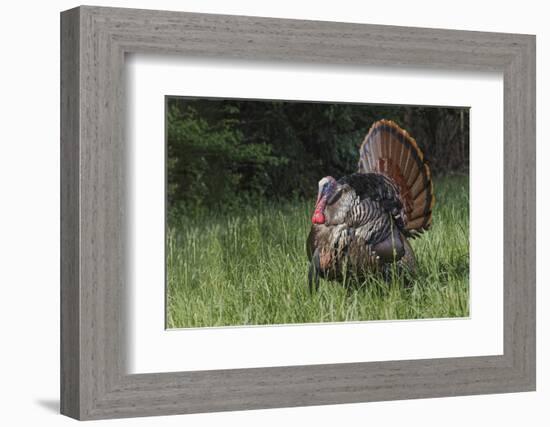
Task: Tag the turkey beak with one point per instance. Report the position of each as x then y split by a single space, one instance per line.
320 195
319 214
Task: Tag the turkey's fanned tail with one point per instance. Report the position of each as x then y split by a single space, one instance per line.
391 151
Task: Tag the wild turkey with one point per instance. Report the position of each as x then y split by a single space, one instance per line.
362 222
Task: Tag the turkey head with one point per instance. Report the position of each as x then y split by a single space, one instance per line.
333 202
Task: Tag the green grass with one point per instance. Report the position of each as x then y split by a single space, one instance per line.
249 267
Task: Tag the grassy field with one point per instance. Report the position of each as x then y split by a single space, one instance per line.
249 268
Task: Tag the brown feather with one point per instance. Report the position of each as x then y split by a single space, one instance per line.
389 150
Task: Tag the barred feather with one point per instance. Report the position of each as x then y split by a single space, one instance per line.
391 151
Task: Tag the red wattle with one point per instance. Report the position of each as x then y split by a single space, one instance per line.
318 217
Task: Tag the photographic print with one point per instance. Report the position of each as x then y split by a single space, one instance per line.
293 212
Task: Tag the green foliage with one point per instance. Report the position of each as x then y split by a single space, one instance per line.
246 265
212 163
225 152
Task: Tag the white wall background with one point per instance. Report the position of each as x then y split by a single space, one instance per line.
29 212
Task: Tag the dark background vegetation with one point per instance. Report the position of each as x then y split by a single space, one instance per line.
228 152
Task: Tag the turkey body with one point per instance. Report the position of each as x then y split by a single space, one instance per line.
361 233
362 222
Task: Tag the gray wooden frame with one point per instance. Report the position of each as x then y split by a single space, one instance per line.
94 382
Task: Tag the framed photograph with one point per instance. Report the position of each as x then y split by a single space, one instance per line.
242 178
262 213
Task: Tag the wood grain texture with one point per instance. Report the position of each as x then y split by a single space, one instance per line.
70 292
94 381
